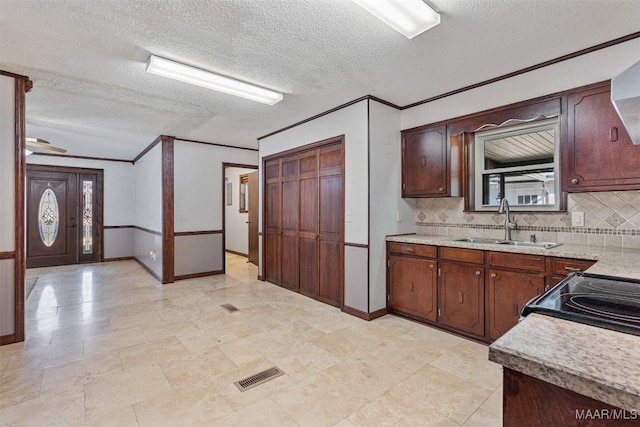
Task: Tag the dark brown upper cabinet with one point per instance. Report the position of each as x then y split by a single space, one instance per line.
425 162
598 154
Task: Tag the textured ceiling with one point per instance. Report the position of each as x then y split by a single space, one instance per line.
92 96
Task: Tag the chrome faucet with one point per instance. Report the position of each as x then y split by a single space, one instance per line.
508 225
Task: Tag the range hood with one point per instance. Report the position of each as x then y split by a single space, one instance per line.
625 95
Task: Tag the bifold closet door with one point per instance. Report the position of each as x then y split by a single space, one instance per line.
331 224
289 262
308 233
304 209
273 221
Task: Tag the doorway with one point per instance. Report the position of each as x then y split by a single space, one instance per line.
240 210
64 215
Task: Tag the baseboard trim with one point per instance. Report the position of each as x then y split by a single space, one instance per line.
261 278
150 271
378 313
237 253
8 339
195 275
362 315
123 258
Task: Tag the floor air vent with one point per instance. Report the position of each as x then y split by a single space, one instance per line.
230 308
259 378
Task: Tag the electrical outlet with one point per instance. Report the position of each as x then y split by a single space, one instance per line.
398 216
577 219
348 216
152 255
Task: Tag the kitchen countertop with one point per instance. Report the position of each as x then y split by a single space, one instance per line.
595 362
610 261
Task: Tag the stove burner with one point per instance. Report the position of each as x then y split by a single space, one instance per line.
607 287
594 299
617 308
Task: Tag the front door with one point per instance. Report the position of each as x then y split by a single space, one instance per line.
63 216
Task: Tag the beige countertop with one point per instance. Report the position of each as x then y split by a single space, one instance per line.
611 261
595 362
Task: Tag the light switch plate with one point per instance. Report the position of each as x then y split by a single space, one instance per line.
577 219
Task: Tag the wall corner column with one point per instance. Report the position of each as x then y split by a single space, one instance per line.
168 231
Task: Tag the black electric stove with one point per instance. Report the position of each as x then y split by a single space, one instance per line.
603 301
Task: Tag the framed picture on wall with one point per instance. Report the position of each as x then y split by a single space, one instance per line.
244 182
229 195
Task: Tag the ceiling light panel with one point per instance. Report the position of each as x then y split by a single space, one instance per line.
408 17
195 76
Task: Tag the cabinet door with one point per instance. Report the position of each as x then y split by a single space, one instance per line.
425 162
308 231
599 152
412 286
330 224
273 211
289 227
461 296
508 293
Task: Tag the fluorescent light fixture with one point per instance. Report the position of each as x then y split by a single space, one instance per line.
195 76
408 17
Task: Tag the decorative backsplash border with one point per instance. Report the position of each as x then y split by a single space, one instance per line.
577 230
611 219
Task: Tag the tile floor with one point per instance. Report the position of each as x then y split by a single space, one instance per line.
109 346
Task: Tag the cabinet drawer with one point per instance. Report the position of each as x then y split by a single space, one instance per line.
517 261
565 266
464 255
413 249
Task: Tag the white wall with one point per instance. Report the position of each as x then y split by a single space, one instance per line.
119 185
7 164
386 202
349 121
148 190
7 204
597 66
236 228
198 183
148 209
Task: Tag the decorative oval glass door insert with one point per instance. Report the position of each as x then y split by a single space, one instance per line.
48 216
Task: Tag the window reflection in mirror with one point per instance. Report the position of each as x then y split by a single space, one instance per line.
520 163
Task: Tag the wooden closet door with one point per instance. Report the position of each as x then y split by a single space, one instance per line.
289 235
273 219
331 224
308 233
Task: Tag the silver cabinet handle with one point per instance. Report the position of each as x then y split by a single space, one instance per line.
574 181
477 273
572 269
493 275
440 188
430 265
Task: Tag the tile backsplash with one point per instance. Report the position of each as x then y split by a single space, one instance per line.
611 219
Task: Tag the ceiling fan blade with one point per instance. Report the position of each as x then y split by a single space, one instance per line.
45 145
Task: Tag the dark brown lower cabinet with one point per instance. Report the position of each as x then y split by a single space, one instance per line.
304 220
530 402
413 286
508 292
461 297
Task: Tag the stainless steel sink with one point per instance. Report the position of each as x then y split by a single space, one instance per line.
543 245
481 240
486 241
